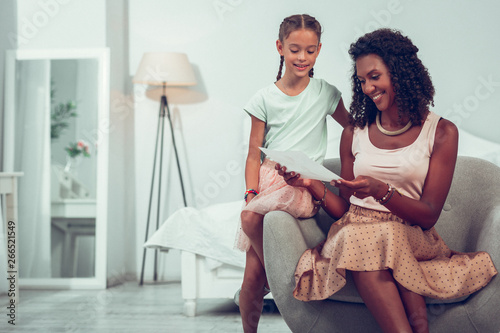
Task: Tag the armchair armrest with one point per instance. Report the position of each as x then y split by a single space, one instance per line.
284 243
483 306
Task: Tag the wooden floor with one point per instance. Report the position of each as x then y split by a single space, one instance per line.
127 308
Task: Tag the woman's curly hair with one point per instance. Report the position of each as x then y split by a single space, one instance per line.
410 79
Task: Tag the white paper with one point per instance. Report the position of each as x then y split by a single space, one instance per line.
300 163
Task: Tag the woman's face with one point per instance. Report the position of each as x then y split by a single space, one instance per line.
300 50
376 81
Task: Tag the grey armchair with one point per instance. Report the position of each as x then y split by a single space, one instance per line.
470 221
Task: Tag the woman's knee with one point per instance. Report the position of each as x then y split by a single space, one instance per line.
372 279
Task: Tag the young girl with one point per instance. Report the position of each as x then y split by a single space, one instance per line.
289 114
397 162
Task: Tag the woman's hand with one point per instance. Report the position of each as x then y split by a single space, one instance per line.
363 187
292 178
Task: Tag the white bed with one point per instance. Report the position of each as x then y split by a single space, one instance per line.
211 268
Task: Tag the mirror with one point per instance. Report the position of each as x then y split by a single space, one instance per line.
56 117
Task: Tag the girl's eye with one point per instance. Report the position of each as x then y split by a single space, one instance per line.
294 51
310 52
375 77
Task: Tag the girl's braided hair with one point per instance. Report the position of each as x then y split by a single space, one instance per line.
296 22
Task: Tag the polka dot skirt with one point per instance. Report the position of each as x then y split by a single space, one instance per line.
368 240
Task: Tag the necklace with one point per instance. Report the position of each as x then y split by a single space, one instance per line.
391 133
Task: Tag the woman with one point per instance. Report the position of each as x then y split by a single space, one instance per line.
397 159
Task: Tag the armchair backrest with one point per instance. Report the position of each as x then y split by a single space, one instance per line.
474 190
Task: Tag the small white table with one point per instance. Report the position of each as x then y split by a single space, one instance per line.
74 218
8 189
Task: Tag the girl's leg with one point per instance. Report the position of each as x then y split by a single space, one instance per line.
251 294
381 295
416 311
253 226
254 279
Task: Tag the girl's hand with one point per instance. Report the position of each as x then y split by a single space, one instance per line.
292 178
363 187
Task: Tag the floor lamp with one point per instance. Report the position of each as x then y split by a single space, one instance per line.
162 69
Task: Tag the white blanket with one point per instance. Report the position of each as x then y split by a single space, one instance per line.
209 232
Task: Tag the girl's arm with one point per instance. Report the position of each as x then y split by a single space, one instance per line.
340 114
253 162
334 205
424 212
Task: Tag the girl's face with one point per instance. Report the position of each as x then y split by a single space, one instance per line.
300 50
376 81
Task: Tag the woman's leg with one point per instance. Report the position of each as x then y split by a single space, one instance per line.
252 292
381 295
416 311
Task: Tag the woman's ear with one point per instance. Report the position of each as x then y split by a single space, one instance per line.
319 47
279 47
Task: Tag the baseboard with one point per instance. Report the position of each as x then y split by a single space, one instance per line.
116 280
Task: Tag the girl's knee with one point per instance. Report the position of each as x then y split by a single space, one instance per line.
247 215
251 223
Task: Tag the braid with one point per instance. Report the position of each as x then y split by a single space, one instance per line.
282 60
296 22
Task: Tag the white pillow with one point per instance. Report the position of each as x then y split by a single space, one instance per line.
471 145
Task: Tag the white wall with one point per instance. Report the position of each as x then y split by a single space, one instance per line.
232 45
60 24
8 25
121 202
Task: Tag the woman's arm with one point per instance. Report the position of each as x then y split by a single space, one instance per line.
346 161
424 212
253 162
340 114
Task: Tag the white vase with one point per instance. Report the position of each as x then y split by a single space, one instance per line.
72 163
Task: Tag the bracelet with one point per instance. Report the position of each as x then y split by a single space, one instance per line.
387 196
250 190
319 202
390 196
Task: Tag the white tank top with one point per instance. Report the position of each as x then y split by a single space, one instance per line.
405 168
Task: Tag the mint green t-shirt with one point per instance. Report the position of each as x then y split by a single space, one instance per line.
296 122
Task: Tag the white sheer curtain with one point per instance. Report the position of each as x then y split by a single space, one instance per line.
3 253
32 156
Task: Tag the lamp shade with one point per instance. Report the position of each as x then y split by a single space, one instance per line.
165 68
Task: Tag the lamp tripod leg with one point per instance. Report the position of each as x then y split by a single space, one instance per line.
176 154
164 109
161 120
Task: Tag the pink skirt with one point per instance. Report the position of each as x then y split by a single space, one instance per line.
276 194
